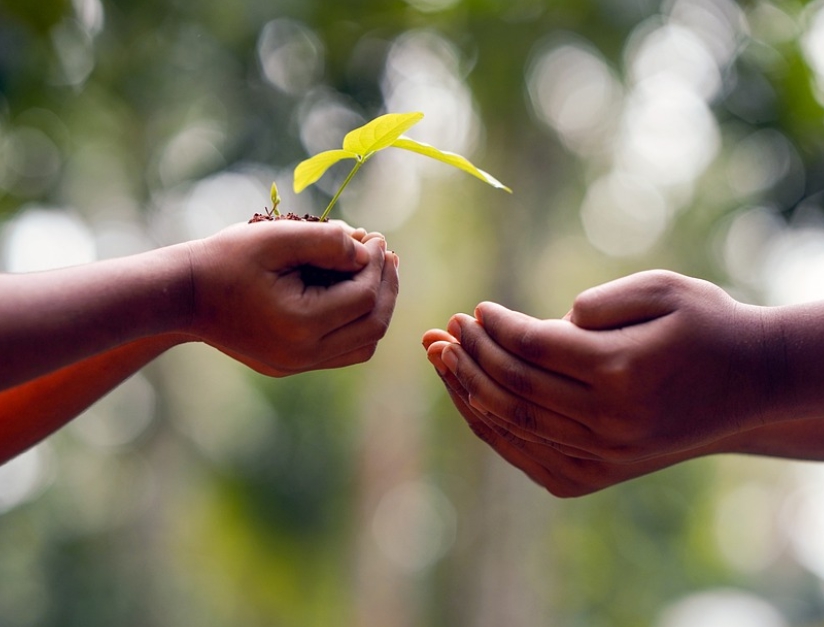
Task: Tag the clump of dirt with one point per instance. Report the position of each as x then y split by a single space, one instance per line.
310 275
269 217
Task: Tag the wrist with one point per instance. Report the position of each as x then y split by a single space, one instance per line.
796 376
173 295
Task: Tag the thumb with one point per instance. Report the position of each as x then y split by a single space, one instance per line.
323 245
627 301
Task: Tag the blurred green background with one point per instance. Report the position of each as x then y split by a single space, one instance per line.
636 134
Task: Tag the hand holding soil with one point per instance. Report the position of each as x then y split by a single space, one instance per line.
69 336
251 300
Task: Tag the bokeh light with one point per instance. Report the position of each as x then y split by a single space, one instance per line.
25 477
722 608
291 55
813 44
574 91
414 525
669 135
683 134
624 215
42 238
119 418
423 73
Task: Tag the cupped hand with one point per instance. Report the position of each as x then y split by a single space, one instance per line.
564 473
643 372
250 301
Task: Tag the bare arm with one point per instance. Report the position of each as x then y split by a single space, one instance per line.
33 410
68 337
52 319
239 291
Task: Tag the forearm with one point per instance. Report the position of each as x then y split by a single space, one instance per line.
791 439
31 411
49 320
789 420
796 376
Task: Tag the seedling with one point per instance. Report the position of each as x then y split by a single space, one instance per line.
361 144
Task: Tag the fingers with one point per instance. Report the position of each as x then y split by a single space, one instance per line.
358 233
629 300
356 356
349 339
364 330
332 307
436 335
558 469
523 378
545 464
557 346
331 246
543 423
507 446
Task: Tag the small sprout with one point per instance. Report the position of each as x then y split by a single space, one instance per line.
273 193
386 131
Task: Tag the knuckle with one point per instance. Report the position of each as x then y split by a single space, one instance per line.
381 327
616 371
372 297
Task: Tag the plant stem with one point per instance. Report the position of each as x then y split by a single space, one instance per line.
332 202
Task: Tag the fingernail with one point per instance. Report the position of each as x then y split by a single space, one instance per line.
361 254
396 259
450 359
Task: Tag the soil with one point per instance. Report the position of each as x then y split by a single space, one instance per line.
310 275
269 217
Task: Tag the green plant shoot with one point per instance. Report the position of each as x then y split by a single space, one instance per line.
273 193
361 144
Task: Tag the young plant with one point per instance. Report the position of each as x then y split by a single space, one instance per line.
361 144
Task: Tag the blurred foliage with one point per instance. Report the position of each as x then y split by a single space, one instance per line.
358 497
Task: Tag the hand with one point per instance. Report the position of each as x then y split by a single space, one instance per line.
642 373
562 474
251 303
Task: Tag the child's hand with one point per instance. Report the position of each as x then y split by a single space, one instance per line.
250 300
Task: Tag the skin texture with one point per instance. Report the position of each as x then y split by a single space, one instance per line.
69 336
643 372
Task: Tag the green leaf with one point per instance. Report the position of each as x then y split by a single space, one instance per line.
380 133
310 170
450 158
